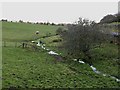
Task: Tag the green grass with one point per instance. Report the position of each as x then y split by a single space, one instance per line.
28 68
106 51
105 59
25 69
49 41
12 31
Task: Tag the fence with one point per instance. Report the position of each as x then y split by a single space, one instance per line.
25 45
11 44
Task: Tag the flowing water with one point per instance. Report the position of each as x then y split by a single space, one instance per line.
80 61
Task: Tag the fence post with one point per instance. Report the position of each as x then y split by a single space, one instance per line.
4 44
23 45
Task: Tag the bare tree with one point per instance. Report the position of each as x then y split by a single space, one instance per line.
80 38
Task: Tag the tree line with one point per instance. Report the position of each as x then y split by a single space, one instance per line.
111 18
41 23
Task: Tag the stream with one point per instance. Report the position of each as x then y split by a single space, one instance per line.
80 61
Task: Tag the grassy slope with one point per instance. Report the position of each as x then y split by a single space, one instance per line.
105 57
22 68
49 41
22 31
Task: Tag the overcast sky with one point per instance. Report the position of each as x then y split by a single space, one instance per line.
58 12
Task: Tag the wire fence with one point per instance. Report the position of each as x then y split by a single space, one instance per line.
24 45
11 44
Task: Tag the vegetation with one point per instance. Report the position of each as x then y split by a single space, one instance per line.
83 37
110 18
23 31
59 31
28 68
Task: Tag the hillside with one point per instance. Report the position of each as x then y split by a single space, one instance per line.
29 68
25 69
12 31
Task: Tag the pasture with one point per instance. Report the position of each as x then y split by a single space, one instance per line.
23 68
12 31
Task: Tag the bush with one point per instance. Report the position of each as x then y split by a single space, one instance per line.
82 37
57 40
59 31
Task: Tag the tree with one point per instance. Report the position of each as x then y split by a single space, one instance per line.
109 19
20 21
80 38
118 16
53 24
59 31
47 23
4 20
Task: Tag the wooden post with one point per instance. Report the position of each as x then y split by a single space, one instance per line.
4 44
23 44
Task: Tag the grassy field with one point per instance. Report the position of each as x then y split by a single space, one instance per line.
12 31
25 68
106 59
50 41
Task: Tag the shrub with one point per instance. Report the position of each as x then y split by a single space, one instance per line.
82 37
57 40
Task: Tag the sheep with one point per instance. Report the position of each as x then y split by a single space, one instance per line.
37 32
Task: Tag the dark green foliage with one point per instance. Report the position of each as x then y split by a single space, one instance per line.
57 40
109 19
48 34
118 16
53 24
4 20
81 37
59 31
20 21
